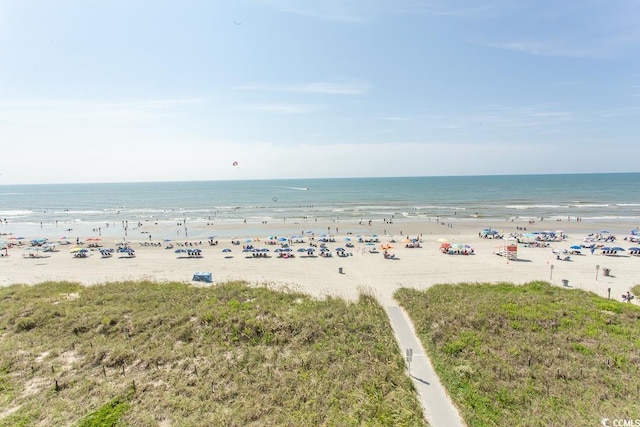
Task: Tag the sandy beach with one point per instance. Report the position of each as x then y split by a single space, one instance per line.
361 271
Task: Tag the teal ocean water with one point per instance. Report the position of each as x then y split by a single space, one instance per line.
589 196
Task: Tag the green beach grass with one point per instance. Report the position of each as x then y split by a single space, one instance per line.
143 353
531 355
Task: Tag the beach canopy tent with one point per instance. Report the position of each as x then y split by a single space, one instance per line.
202 277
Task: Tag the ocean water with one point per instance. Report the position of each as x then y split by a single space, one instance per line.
614 197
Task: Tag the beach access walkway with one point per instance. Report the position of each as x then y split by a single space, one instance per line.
438 408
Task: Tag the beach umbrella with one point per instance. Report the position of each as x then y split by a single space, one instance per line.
247 240
282 239
634 249
226 250
180 251
618 248
302 250
575 247
347 239
339 249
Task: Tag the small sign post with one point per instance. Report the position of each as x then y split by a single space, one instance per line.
409 356
597 268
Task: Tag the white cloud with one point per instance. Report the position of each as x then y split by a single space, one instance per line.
548 48
359 11
56 110
347 11
282 108
323 88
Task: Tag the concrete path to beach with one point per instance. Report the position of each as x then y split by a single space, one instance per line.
438 408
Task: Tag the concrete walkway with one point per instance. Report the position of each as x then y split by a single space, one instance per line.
438 408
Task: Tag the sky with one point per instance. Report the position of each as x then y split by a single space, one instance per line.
159 90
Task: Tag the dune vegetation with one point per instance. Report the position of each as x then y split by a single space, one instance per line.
171 354
530 355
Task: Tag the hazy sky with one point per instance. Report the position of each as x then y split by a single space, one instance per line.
141 90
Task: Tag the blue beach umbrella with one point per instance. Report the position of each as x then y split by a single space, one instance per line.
226 250
302 250
575 247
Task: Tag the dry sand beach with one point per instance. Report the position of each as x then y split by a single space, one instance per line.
336 276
